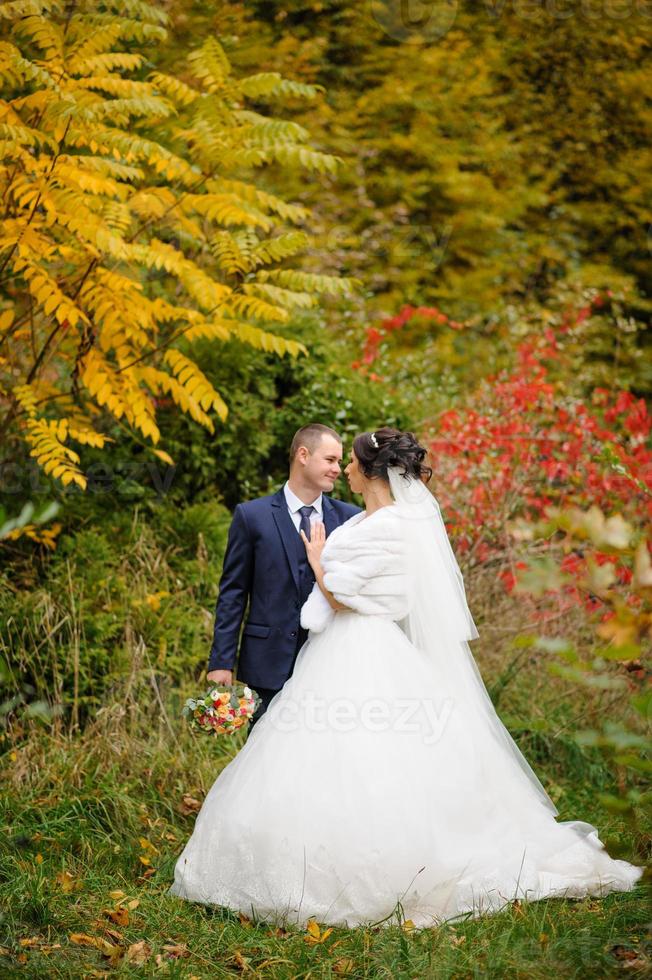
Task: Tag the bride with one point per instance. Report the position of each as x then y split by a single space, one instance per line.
381 778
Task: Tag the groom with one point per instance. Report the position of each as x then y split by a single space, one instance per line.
266 572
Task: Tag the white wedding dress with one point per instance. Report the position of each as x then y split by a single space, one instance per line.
379 775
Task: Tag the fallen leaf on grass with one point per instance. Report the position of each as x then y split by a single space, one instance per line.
630 959
408 926
189 805
46 800
33 942
344 966
592 905
109 950
242 962
176 951
147 874
4 951
138 953
119 915
244 920
623 953
117 894
67 882
458 940
314 935
83 939
173 951
106 930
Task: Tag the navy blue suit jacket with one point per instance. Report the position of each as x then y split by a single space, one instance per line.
262 571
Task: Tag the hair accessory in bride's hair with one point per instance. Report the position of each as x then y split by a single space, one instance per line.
374 441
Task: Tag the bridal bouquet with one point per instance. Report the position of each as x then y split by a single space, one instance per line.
221 712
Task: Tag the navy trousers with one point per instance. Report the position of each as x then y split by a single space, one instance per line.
266 695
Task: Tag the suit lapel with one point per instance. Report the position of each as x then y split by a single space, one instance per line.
329 514
288 533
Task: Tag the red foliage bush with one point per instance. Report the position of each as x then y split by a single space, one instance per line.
522 443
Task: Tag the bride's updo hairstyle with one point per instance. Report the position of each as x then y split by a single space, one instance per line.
394 448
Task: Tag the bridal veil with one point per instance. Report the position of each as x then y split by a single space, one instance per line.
439 621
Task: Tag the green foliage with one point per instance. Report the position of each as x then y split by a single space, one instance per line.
622 623
114 606
27 521
271 399
486 163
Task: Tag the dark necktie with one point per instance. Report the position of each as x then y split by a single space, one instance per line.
305 519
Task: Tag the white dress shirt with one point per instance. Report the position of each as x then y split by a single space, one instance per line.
294 504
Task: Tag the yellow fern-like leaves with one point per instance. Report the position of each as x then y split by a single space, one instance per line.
272 343
47 442
259 309
174 89
210 65
47 294
242 252
45 34
271 83
196 385
287 298
296 279
210 330
104 384
120 393
226 209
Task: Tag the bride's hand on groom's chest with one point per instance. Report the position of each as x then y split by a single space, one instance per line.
315 545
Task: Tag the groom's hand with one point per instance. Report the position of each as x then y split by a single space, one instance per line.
220 676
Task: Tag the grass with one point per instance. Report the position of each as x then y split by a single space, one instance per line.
92 825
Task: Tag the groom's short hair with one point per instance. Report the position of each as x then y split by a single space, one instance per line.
310 436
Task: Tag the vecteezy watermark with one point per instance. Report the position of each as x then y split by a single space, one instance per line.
129 478
314 713
540 10
423 21
413 21
422 242
401 242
